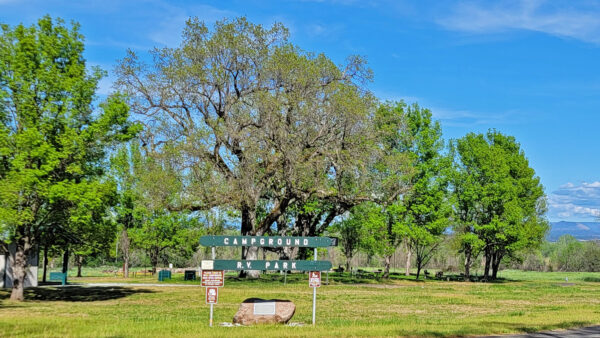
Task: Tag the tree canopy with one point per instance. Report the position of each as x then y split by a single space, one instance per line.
500 203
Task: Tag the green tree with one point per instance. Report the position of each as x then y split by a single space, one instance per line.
166 231
569 254
255 123
421 215
361 230
500 203
52 141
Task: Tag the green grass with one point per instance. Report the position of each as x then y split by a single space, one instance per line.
521 302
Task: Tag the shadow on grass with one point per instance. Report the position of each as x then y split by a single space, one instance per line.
358 278
78 293
533 329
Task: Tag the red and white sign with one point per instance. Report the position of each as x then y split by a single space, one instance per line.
212 295
213 278
314 279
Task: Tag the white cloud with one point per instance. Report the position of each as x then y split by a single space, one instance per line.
582 226
556 18
576 201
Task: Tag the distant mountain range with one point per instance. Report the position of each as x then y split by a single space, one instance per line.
583 231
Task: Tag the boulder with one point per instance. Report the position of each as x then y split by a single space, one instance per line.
262 311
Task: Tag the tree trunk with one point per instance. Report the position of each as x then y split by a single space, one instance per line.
79 261
65 264
386 270
125 243
348 260
468 263
252 254
488 261
19 267
408 258
496 265
45 263
154 259
418 270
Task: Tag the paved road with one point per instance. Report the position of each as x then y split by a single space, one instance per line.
584 332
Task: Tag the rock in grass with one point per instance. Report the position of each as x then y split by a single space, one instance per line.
262 311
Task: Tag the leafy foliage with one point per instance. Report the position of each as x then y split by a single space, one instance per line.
500 203
52 141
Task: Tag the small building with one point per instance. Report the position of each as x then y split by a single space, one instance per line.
6 275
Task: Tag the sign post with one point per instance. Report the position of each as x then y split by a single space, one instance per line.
314 281
213 270
212 280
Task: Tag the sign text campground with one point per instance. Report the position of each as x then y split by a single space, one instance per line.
271 241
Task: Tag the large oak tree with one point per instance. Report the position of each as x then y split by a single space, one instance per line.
254 122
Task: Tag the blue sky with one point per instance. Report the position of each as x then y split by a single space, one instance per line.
528 68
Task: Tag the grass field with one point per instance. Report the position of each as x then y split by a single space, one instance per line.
520 302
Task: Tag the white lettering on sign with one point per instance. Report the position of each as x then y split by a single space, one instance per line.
248 265
207 265
235 242
252 241
270 241
297 241
279 241
262 241
239 265
226 241
212 295
293 265
267 265
285 265
276 266
314 279
244 241
288 241
305 241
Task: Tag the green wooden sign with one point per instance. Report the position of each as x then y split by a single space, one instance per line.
271 241
238 265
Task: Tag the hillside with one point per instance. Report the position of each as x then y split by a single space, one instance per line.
579 230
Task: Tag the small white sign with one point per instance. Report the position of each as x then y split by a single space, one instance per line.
264 308
207 265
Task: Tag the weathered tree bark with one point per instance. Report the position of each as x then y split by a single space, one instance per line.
248 229
79 262
408 259
488 261
468 263
496 265
125 243
154 252
65 264
386 270
45 263
348 259
19 267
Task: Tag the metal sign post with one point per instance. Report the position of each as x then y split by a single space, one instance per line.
314 281
212 301
315 294
213 270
